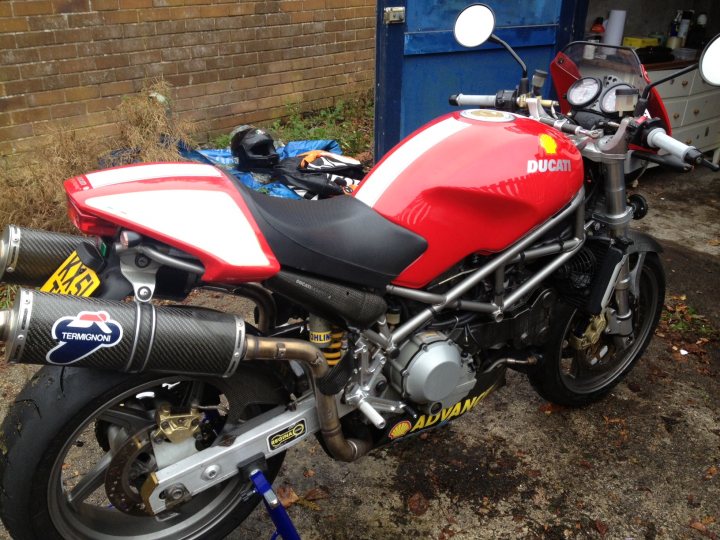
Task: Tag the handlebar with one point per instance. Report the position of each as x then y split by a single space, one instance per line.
658 138
465 100
506 100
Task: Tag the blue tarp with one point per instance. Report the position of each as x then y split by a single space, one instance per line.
224 159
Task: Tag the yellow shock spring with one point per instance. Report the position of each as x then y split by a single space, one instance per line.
334 351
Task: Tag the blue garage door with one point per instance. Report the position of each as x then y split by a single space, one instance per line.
419 64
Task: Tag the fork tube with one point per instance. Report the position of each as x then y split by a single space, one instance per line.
616 204
615 196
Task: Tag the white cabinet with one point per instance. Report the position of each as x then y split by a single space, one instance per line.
693 107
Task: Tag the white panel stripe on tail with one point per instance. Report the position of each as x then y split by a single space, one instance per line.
208 220
383 177
152 171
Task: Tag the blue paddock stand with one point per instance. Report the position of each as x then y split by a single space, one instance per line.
283 524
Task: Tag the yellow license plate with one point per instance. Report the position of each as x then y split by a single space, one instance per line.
72 278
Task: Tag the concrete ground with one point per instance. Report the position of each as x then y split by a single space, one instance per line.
644 463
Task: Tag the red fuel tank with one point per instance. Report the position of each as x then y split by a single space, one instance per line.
473 181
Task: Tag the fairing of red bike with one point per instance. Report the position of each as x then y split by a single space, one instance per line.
473 181
564 73
192 207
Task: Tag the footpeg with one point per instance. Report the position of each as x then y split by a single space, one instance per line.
371 414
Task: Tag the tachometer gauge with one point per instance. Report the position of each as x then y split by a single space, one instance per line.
584 91
607 103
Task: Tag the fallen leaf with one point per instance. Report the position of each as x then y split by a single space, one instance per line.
549 408
308 504
712 471
287 496
418 504
316 494
601 527
702 529
309 473
446 533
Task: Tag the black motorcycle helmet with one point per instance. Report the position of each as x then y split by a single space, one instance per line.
253 148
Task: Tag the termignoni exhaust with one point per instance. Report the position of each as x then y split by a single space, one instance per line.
53 329
29 256
44 328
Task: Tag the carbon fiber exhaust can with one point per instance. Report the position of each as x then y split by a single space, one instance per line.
29 256
43 328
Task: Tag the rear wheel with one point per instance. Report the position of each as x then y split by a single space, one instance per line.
77 448
574 376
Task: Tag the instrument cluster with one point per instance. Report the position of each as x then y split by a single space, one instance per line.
595 94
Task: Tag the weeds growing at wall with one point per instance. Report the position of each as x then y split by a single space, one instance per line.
348 122
31 187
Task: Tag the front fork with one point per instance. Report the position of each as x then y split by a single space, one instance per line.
618 216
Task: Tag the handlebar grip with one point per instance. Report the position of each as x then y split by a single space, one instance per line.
658 138
463 100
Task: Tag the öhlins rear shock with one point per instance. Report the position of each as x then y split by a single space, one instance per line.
329 339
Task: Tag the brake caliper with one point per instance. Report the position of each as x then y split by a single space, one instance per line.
591 335
177 426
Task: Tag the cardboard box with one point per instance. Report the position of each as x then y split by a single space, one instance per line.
639 41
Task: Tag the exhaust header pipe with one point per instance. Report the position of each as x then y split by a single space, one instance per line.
43 328
29 256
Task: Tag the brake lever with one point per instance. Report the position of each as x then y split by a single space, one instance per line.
710 165
665 160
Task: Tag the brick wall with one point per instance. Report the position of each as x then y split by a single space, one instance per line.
69 62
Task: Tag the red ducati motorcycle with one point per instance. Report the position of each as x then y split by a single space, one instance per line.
377 316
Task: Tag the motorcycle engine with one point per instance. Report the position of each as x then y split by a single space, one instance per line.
432 371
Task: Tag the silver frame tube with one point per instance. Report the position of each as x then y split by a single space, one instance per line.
517 252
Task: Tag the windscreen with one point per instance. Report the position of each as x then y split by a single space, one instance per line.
608 63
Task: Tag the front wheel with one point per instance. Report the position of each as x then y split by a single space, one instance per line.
76 449
574 376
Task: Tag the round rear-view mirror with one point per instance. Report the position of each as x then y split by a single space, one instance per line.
710 62
474 25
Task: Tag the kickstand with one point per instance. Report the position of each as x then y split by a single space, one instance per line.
284 525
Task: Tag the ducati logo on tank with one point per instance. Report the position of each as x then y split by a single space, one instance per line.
548 146
81 335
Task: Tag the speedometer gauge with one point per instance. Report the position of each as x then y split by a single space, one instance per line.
608 101
584 91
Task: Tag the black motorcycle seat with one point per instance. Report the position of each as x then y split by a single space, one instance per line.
340 238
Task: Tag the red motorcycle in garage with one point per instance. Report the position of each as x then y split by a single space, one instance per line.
490 238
